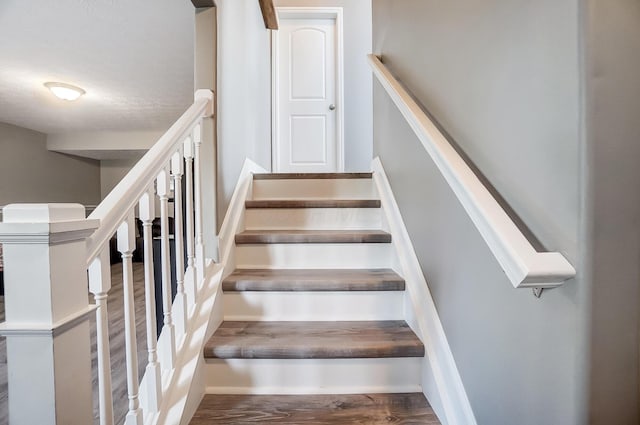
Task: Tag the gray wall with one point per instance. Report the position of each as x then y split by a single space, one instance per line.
244 93
205 78
114 170
31 173
611 228
502 78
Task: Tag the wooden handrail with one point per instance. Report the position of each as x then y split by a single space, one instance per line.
269 14
523 265
114 208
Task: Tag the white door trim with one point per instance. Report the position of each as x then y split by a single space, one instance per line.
309 13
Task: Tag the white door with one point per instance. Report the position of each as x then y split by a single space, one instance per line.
306 136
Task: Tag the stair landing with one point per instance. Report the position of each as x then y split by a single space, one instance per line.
352 409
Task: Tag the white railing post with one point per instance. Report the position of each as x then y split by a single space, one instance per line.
99 286
153 378
126 246
191 278
197 140
168 349
47 313
180 303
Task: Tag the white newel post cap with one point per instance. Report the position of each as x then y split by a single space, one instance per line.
45 272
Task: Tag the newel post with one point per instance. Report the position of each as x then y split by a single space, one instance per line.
47 313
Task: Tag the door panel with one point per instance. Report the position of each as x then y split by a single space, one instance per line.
308 53
308 141
306 135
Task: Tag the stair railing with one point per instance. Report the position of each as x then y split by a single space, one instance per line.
523 265
52 252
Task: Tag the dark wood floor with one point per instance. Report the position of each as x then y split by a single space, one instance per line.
306 280
313 340
356 409
312 236
312 203
116 327
302 176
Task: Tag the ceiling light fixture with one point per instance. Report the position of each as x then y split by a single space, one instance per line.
65 91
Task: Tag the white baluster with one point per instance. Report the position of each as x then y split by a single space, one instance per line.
99 285
168 348
152 374
190 278
126 246
180 303
197 139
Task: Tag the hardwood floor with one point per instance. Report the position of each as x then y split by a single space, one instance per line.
116 327
293 280
312 203
355 409
312 236
313 340
288 176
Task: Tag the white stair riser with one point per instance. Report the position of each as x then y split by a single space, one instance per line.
312 188
314 218
314 306
317 376
314 256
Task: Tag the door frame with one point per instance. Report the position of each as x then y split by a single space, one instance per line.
308 13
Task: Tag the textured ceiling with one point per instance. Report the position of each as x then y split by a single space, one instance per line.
134 58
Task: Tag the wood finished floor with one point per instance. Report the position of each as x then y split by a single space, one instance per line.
303 176
313 340
311 203
353 409
116 339
312 236
293 280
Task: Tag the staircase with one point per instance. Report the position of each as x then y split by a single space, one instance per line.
313 328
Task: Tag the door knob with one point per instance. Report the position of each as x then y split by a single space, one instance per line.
332 107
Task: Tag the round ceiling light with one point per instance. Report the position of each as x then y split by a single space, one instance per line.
65 91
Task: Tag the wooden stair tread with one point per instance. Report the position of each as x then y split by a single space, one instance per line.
313 340
312 203
285 280
371 409
312 236
309 176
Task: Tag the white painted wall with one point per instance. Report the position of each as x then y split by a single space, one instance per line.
358 109
205 45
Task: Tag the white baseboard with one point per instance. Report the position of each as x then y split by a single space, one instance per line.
315 256
313 306
314 218
441 383
313 390
313 376
313 189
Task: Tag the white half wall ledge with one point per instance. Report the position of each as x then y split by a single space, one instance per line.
524 266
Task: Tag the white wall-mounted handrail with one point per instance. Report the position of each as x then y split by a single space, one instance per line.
523 265
119 202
